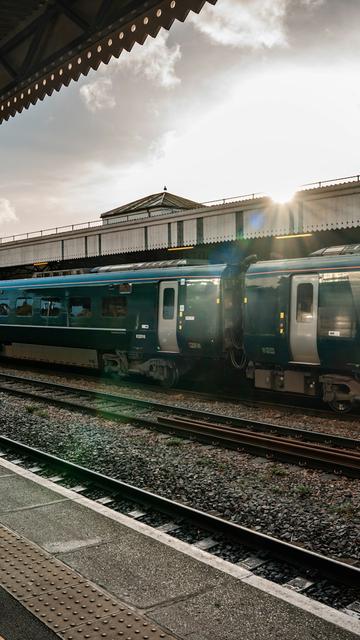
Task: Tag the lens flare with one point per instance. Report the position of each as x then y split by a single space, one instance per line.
282 195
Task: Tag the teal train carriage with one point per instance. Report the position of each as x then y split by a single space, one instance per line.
289 325
156 319
301 325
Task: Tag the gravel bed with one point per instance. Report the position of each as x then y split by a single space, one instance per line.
289 416
188 534
333 595
124 506
154 519
94 493
278 572
233 552
306 507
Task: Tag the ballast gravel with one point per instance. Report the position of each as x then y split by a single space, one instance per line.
306 507
291 416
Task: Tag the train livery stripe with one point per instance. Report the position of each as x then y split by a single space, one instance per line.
97 283
45 326
310 270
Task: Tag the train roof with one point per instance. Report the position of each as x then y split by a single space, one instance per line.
311 263
113 277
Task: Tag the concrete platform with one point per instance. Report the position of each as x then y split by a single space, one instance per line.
185 592
18 624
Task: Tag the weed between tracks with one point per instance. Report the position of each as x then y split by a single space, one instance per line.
37 411
346 509
174 442
303 490
277 470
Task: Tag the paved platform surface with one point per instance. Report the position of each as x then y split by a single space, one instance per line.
166 586
18 624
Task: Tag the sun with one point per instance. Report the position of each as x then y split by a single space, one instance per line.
282 195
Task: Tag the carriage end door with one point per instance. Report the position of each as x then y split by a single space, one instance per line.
167 320
303 319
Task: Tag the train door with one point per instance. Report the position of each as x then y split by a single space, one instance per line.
303 319
167 320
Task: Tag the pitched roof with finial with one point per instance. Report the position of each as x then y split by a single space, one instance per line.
157 202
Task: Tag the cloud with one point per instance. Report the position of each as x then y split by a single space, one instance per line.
154 60
98 95
250 24
159 147
239 147
313 3
7 211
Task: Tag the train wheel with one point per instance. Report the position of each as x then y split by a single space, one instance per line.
172 377
340 406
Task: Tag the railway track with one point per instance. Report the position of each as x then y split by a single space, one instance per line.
332 453
261 400
303 570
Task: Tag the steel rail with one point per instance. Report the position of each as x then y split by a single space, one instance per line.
265 444
119 399
334 569
228 435
249 398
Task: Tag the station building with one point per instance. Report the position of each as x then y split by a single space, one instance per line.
165 226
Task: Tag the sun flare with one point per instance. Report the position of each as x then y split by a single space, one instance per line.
282 195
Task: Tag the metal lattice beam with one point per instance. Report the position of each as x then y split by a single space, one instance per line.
44 45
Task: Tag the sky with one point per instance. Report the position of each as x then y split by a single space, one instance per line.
248 96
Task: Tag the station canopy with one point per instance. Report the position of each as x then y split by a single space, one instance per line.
44 44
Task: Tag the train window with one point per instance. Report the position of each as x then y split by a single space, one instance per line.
168 303
4 307
262 293
202 308
304 303
24 306
50 307
337 314
125 287
200 293
114 307
80 307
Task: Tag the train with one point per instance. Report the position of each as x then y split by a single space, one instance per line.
290 326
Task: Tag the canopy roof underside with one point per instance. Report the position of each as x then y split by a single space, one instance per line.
44 44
